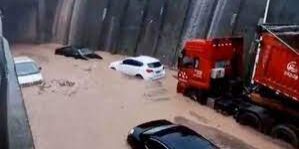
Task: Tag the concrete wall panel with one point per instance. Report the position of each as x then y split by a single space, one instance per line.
284 12
20 20
111 29
172 28
199 18
62 20
224 18
76 24
46 14
151 27
94 16
131 26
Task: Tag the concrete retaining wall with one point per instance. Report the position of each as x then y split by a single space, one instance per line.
133 27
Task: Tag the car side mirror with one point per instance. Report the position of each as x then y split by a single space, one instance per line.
39 68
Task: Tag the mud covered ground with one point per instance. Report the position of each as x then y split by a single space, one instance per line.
83 104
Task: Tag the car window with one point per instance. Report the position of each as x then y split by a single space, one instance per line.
26 69
132 62
154 65
127 62
137 63
153 144
184 138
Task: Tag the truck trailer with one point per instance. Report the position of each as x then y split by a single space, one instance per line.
211 71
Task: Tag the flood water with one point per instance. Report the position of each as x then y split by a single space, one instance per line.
83 104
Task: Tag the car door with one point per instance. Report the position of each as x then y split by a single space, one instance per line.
127 67
135 67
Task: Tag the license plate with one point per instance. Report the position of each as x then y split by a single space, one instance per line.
158 71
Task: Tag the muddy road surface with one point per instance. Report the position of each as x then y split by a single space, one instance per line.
83 104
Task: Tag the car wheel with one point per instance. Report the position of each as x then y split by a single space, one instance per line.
139 76
250 119
113 68
286 133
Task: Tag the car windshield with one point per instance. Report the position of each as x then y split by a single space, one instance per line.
27 68
186 140
154 65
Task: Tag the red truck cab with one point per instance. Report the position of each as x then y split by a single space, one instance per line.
204 63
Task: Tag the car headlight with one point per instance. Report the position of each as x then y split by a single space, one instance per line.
131 131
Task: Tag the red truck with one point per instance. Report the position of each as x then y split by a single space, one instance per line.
211 71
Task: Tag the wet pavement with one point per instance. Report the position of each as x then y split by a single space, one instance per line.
84 104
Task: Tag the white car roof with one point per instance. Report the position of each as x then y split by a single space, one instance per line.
146 59
23 59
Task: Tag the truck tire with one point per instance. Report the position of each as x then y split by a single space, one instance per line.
201 97
286 133
250 119
196 95
191 93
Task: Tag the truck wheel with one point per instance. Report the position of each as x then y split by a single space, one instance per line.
201 97
249 119
286 133
196 95
191 93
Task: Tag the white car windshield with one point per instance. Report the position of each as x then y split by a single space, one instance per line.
28 68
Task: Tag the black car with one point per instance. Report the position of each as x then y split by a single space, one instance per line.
162 134
81 53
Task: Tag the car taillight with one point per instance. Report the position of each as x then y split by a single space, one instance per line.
149 71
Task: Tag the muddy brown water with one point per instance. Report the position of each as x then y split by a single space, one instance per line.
83 104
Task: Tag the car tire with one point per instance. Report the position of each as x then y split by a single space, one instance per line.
286 133
113 68
138 76
250 119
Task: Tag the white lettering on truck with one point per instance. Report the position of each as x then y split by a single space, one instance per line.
292 70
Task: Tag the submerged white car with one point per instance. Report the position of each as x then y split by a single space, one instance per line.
144 67
28 71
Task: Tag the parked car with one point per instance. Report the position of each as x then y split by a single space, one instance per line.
78 53
162 134
144 67
29 73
